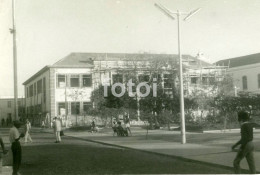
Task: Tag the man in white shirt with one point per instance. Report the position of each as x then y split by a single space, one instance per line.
14 137
57 129
27 131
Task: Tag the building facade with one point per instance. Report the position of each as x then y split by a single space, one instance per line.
7 109
64 88
245 71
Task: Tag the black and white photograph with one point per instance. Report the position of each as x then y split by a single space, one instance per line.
129 87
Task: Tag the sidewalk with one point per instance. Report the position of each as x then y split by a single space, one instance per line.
215 155
6 170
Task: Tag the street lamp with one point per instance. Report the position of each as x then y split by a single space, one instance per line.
170 14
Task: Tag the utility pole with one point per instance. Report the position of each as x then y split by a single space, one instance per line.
170 14
13 31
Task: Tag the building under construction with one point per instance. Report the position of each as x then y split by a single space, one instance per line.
64 88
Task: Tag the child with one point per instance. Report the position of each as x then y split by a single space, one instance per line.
246 142
114 127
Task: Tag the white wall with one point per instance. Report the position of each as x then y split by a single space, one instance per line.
251 71
69 91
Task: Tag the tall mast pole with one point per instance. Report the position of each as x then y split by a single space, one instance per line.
13 31
170 14
183 133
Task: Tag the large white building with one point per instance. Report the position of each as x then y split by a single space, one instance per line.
245 71
66 86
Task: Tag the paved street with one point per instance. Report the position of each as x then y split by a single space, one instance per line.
212 148
77 156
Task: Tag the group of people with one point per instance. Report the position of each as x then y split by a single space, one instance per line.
15 137
6 122
122 129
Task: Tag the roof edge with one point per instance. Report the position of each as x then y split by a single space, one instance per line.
36 74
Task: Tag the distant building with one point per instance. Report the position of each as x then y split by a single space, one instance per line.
7 108
245 71
64 88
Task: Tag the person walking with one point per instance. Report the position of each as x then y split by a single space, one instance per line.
93 126
27 131
127 125
3 122
43 124
247 147
14 137
57 129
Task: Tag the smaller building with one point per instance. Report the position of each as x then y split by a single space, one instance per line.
7 109
245 71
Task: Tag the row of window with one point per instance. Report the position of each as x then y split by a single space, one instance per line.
204 80
167 78
34 109
9 103
36 88
84 80
73 107
244 82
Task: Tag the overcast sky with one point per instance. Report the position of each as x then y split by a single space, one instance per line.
48 30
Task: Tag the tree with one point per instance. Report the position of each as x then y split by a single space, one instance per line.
76 95
151 107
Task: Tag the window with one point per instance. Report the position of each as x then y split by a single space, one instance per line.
168 81
204 80
10 117
44 90
143 78
211 80
19 103
39 86
31 91
117 78
27 95
258 80
74 81
38 109
193 80
244 81
34 89
31 109
35 109
9 104
75 108
87 106
43 84
61 81
87 80
158 77
61 108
